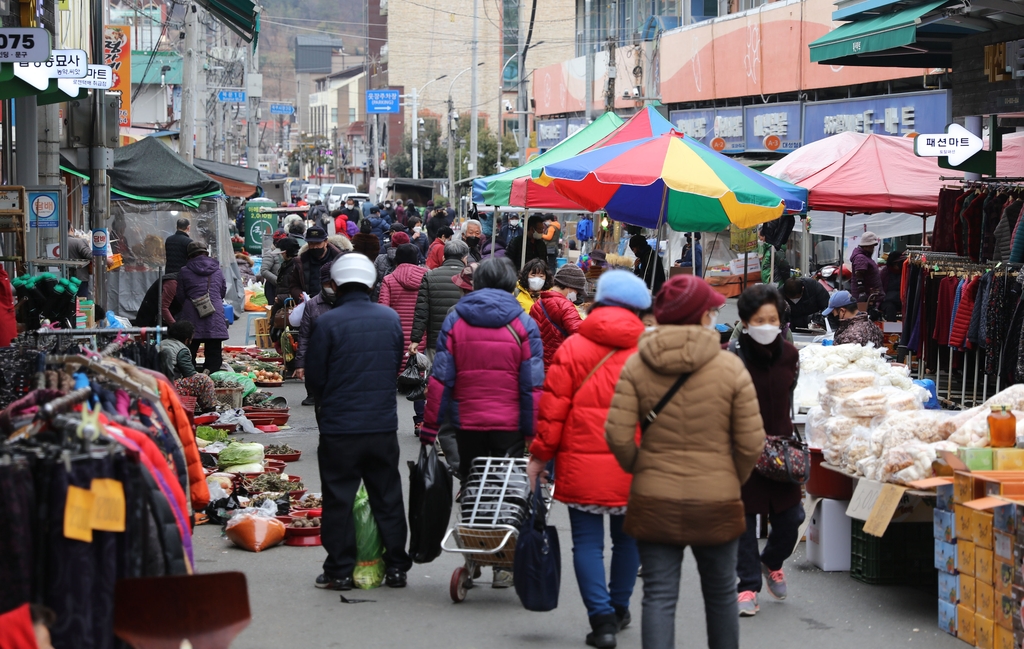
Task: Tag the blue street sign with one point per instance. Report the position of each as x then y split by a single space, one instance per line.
381 101
281 109
231 96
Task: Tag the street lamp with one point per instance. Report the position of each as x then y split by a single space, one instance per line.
501 94
416 124
452 119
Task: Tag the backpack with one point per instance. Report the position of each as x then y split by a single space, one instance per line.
584 230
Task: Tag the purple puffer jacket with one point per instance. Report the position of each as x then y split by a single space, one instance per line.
315 307
192 283
489 369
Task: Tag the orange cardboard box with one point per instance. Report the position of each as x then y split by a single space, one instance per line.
1003 638
984 606
984 632
965 557
981 529
968 591
964 522
965 629
983 565
1002 546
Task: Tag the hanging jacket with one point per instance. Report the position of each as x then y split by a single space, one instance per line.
1003 235
585 230
572 414
557 319
489 369
971 218
438 294
399 290
202 275
962 319
992 213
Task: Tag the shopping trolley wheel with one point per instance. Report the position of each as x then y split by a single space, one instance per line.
461 582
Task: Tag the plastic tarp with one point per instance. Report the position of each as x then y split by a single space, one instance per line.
240 182
137 232
886 226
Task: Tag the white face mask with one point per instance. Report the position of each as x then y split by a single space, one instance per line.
714 321
514 223
536 283
571 295
538 235
764 334
417 229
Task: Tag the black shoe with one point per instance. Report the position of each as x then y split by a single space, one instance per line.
308 401
604 629
334 583
623 616
395 578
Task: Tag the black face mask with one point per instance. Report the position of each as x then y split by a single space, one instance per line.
319 252
472 242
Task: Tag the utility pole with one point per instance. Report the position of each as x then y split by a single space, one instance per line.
99 162
609 93
521 86
451 149
253 89
473 110
416 133
188 85
202 98
588 51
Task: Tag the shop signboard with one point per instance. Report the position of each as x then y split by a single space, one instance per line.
719 128
899 115
44 208
550 132
24 44
258 223
575 125
698 124
62 64
772 127
117 53
957 144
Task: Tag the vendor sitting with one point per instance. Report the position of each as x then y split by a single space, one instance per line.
177 364
854 324
686 259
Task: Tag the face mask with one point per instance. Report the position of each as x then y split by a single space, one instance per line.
538 235
349 205
472 242
319 252
571 295
714 321
329 294
536 283
764 334
417 229
514 223
794 300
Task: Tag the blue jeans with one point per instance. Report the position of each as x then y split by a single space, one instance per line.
602 597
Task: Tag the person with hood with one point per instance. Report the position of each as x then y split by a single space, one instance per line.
201 278
176 247
365 241
159 298
488 374
854 325
892 276
534 278
400 290
353 376
178 364
579 385
435 254
385 262
379 224
306 271
511 229
289 248
437 295
555 310
270 267
806 298
318 214
472 234
773 365
690 461
536 248
411 211
648 265
315 307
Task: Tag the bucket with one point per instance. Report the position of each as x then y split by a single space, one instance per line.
825 483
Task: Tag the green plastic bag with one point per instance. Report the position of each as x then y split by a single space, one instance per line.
369 572
248 386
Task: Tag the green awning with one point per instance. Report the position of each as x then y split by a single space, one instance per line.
876 34
240 16
147 66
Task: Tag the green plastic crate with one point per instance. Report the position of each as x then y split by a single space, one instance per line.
903 556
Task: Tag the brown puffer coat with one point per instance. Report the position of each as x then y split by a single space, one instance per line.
692 460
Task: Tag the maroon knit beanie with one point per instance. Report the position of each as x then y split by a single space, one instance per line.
684 299
398 239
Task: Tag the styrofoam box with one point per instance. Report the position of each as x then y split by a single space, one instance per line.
828 536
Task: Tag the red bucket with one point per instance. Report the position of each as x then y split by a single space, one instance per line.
826 483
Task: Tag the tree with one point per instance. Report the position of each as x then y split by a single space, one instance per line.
434 151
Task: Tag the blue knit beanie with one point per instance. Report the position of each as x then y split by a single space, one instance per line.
623 288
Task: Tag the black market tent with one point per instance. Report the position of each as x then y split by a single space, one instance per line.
240 182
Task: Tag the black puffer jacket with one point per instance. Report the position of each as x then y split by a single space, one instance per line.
176 251
437 295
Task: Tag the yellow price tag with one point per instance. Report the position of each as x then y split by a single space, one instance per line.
78 514
108 512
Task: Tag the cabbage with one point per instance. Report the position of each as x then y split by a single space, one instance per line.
255 467
211 434
239 453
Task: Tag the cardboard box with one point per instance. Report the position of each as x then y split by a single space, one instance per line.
976 459
949 588
963 487
981 529
828 536
964 522
1004 638
1004 610
945 526
966 559
965 629
1002 577
947 617
1002 546
1004 518
968 591
984 630
985 603
1008 459
753 265
983 566
944 497
945 557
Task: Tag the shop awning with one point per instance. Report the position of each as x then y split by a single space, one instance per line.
240 16
239 182
148 67
878 34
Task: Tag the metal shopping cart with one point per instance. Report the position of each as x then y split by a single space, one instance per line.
495 502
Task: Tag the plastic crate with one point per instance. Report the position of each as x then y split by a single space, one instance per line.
904 556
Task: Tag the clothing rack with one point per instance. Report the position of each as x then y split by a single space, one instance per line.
130 331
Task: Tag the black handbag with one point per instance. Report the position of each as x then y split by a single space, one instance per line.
537 566
430 504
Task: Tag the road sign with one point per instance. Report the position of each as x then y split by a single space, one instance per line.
957 144
381 101
62 64
43 212
24 44
231 96
281 109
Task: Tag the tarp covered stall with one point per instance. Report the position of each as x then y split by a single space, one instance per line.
239 182
886 226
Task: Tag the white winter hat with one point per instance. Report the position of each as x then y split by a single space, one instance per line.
353 267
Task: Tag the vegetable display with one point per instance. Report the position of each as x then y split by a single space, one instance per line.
211 434
241 453
279 449
306 522
273 482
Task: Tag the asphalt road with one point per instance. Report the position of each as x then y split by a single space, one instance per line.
823 609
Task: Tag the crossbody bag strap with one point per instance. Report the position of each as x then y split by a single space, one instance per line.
596 368
656 410
554 324
519 341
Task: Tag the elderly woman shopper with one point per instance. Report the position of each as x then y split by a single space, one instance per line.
201 290
555 309
399 290
487 375
177 364
773 365
534 278
578 391
702 440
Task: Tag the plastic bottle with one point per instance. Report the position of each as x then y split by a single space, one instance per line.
1002 427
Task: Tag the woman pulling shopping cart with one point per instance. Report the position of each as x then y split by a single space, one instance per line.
487 378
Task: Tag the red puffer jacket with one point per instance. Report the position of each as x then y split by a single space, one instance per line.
571 415
557 318
399 291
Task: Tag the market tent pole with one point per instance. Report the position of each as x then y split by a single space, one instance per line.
494 230
771 268
661 217
842 253
526 221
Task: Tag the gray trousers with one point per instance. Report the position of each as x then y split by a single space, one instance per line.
446 432
662 566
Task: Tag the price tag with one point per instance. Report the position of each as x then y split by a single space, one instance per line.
108 511
24 44
885 507
78 514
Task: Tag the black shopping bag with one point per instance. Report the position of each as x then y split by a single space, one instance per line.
430 504
537 569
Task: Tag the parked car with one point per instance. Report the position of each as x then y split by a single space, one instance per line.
336 195
312 194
